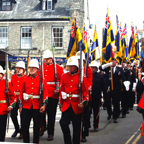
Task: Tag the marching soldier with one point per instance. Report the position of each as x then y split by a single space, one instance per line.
71 106
133 82
86 118
53 95
16 82
125 93
30 102
115 83
99 86
3 104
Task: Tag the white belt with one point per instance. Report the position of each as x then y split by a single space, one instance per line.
65 95
52 82
27 96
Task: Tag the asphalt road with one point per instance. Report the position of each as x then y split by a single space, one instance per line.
126 131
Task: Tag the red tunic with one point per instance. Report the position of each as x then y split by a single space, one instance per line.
16 82
31 86
50 79
89 81
11 95
70 85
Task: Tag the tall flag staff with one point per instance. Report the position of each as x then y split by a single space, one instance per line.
108 40
132 52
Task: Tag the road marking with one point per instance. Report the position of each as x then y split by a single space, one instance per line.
132 136
137 139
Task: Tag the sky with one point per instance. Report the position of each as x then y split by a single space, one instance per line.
127 10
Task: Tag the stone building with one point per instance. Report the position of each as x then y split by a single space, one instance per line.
28 24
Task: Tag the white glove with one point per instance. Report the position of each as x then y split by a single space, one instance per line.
25 96
106 65
64 95
134 87
136 80
126 84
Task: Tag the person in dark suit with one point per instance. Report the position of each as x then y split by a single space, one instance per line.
113 80
125 93
98 86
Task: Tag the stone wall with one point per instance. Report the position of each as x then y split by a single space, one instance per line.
75 8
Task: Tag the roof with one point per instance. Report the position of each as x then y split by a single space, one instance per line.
32 9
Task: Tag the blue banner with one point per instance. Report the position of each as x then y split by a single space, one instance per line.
17 58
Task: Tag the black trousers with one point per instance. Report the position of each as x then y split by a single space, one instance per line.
132 99
68 116
25 124
51 112
113 97
3 120
96 103
14 113
85 122
43 125
125 101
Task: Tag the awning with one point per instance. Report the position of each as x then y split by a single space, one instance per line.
2 55
19 58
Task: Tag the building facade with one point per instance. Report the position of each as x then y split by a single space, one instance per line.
28 24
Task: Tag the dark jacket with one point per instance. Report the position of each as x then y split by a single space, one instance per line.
132 78
117 77
98 86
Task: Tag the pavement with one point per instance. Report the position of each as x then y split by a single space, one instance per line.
126 131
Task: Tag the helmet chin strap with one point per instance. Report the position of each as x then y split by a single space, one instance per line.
20 72
33 74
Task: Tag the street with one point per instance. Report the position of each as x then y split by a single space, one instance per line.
126 131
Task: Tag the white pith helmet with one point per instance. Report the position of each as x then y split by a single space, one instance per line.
72 61
1 69
47 54
94 64
20 64
34 63
78 55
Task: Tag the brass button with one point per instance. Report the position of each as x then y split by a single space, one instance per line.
71 80
32 87
17 85
70 92
70 98
18 81
32 83
32 93
70 86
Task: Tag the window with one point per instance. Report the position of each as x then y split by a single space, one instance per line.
3 37
49 4
57 37
26 33
6 5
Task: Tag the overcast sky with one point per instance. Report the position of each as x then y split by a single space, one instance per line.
127 10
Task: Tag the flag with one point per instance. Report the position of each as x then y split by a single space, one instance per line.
72 48
108 40
84 41
131 50
94 45
125 44
137 44
118 42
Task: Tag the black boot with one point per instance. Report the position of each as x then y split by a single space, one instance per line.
15 133
83 139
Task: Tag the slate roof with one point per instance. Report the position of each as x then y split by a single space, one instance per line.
32 9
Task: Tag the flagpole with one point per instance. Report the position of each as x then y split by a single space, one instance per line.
111 56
